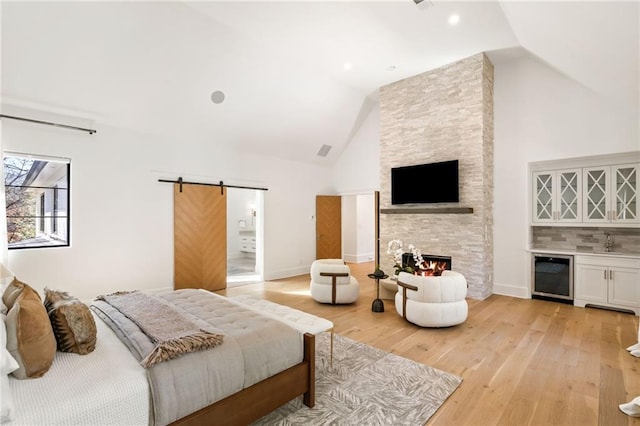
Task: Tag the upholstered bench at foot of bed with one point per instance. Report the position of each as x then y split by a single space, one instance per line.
301 321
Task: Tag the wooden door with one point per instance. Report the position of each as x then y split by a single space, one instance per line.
328 227
200 237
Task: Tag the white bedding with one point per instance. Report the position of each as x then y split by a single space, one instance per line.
106 387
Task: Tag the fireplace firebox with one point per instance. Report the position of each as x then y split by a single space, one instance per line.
435 263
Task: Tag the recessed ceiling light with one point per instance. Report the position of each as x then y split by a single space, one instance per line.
347 66
217 97
454 19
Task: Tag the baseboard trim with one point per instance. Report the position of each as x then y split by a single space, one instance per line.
511 290
358 258
287 273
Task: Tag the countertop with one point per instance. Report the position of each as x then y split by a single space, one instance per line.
587 253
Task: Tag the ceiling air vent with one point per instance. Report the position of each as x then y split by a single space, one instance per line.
423 3
324 150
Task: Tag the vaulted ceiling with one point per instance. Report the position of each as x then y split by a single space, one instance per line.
152 66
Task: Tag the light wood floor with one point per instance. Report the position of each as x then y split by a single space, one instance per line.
523 362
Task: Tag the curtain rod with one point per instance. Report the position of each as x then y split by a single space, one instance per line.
49 123
221 184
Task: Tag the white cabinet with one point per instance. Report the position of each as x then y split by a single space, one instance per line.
607 281
611 194
595 191
248 244
557 196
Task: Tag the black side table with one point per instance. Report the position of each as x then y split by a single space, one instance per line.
378 305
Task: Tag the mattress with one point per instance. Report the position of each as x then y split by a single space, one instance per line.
269 346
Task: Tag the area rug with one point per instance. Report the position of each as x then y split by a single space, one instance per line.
367 386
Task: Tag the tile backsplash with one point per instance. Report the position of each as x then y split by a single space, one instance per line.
626 240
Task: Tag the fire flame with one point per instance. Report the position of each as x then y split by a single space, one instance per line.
432 268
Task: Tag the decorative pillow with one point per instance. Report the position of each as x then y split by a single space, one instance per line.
30 338
72 322
11 293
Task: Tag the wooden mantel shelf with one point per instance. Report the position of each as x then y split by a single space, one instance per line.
428 210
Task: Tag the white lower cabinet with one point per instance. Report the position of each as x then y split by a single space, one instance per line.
248 244
607 281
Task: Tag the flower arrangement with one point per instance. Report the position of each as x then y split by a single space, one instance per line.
395 248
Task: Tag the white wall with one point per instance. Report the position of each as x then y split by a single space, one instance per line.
122 217
542 115
357 171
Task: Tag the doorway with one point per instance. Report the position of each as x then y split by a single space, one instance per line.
346 227
358 227
244 236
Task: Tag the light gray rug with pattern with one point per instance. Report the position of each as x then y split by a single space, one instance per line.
367 386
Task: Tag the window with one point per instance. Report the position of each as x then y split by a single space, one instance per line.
37 197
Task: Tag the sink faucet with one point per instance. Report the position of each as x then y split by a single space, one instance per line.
608 245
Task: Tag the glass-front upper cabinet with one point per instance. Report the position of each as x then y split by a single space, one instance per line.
557 196
596 194
611 194
626 187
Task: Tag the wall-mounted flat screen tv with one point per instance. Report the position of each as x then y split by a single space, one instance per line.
425 183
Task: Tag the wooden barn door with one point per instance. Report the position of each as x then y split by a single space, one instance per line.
200 237
328 227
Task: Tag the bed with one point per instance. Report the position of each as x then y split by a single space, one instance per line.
109 386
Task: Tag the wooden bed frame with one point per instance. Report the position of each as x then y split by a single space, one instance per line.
251 403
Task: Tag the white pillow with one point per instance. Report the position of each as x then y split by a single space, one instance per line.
7 365
6 276
7 362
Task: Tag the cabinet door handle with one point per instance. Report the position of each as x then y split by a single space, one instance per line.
605 274
610 274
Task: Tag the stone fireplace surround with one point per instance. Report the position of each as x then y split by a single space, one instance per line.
443 114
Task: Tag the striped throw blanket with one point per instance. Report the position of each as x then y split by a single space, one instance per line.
172 331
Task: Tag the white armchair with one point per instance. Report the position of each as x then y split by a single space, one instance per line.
432 301
331 282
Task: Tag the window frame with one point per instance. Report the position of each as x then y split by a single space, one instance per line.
42 238
54 211
42 213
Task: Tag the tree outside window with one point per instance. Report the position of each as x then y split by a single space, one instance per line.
37 198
